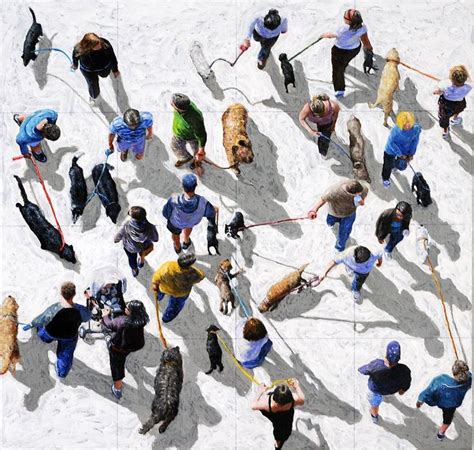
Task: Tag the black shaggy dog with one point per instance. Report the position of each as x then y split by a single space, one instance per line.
31 39
236 224
287 70
212 241
168 384
49 237
106 190
78 190
369 61
214 349
421 189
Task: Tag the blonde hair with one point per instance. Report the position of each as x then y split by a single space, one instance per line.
317 104
404 118
458 75
87 43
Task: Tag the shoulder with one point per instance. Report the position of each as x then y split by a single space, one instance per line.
417 128
362 29
105 43
147 118
335 105
117 123
342 29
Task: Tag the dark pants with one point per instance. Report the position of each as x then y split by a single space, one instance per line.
448 414
395 238
266 44
132 259
340 60
64 353
345 228
358 281
447 109
117 364
388 162
323 144
175 305
92 79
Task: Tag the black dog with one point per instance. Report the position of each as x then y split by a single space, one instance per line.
212 241
236 224
168 384
106 190
369 61
78 190
287 70
31 39
214 349
49 237
421 189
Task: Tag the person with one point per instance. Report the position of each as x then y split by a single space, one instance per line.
323 113
106 290
396 223
33 129
137 236
252 343
176 279
60 322
132 130
188 128
279 408
124 335
348 43
401 145
452 101
386 377
447 393
343 199
185 211
265 30
96 58
359 261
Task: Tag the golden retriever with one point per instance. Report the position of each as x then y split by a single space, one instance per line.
9 353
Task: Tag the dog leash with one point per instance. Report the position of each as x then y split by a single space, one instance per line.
207 161
160 329
56 50
241 302
95 190
306 48
232 64
339 147
273 222
416 70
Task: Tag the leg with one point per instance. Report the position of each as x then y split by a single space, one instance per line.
186 236
345 228
175 305
323 144
265 50
444 113
145 253
374 400
331 220
132 260
149 424
164 425
358 281
138 148
65 354
44 336
175 236
387 166
340 60
395 238
448 414
178 146
92 82
117 367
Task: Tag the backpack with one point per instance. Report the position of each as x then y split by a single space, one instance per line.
421 189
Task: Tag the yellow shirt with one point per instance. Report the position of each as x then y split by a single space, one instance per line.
174 280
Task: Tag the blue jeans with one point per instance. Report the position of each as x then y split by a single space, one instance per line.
345 228
358 281
64 353
395 238
266 43
175 305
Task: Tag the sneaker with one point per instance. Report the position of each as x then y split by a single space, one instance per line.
375 419
182 162
386 184
94 101
357 297
186 245
124 155
16 119
177 249
40 157
324 157
446 135
135 273
141 262
261 64
117 393
456 121
339 94
440 436
387 256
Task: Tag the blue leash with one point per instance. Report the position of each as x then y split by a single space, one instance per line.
94 192
340 147
241 302
56 50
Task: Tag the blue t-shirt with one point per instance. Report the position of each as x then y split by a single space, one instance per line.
403 142
28 133
347 258
347 39
454 93
126 134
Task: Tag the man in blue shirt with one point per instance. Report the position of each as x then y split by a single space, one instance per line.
132 129
33 129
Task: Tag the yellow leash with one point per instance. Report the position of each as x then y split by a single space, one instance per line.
160 329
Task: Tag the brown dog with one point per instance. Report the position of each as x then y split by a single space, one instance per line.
357 150
9 353
222 281
236 141
388 84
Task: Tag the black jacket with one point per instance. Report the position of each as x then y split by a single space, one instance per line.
383 225
127 338
97 61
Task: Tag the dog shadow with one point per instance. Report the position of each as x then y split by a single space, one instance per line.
121 95
40 65
211 83
323 444
407 102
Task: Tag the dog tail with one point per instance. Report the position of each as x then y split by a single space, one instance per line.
33 14
373 105
5 365
22 189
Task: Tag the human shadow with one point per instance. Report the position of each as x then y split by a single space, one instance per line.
466 137
211 83
465 156
106 109
323 444
120 94
407 102
40 66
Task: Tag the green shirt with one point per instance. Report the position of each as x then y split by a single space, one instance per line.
189 125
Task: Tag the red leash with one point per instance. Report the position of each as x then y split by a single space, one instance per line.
38 173
274 222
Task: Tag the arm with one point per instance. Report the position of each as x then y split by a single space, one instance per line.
113 59
154 234
168 209
201 136
366 369
329 267
381 228
336 109
284 27
75 59
366 42
250 30
119 236
261 402
149 132
302 118
312 213
111 142
329 35
299 394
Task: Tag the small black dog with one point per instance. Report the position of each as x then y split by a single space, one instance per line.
168 384
214 349
78 190
107 191
421 189
236 224
369 61
31 39
212 241
49 237
287 70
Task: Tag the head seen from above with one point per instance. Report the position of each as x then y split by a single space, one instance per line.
353 18
272 20
405 120
131 117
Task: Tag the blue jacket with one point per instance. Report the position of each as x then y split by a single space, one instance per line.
403 142
28 133
184 212
445 392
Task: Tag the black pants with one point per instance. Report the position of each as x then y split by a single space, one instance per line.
448 414
447 109
266 44
323 144
132 259
340 60
387 168
117 364
92 79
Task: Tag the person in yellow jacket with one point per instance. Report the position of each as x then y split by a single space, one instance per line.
176 279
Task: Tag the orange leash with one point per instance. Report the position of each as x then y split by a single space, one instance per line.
416 70
38 174
160 329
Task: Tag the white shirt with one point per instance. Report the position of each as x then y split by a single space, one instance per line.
454 93
347 39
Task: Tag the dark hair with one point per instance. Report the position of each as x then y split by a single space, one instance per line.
272 20
68 290
355 19
354 187
138 316
51 131
254 329
181 101
186 260
282 394
406 210
361 254
137 213
132 117
87 43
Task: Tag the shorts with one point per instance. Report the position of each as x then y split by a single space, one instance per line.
448 414
135 147
173 229
374 399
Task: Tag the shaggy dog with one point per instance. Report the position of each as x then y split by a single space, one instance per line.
31 39
222 281
388 84
236 224
168 384
214 349
106 190
287 70
238 147
212 241
9 353
369 61
49 237
78 190
357 151
421 189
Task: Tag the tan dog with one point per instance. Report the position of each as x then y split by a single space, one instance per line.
388 84
9 353
222 281
236 141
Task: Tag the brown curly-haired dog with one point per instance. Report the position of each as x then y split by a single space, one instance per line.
9 353
236 141
222 281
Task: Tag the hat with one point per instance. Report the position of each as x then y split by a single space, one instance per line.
181 101
393 352
189 182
